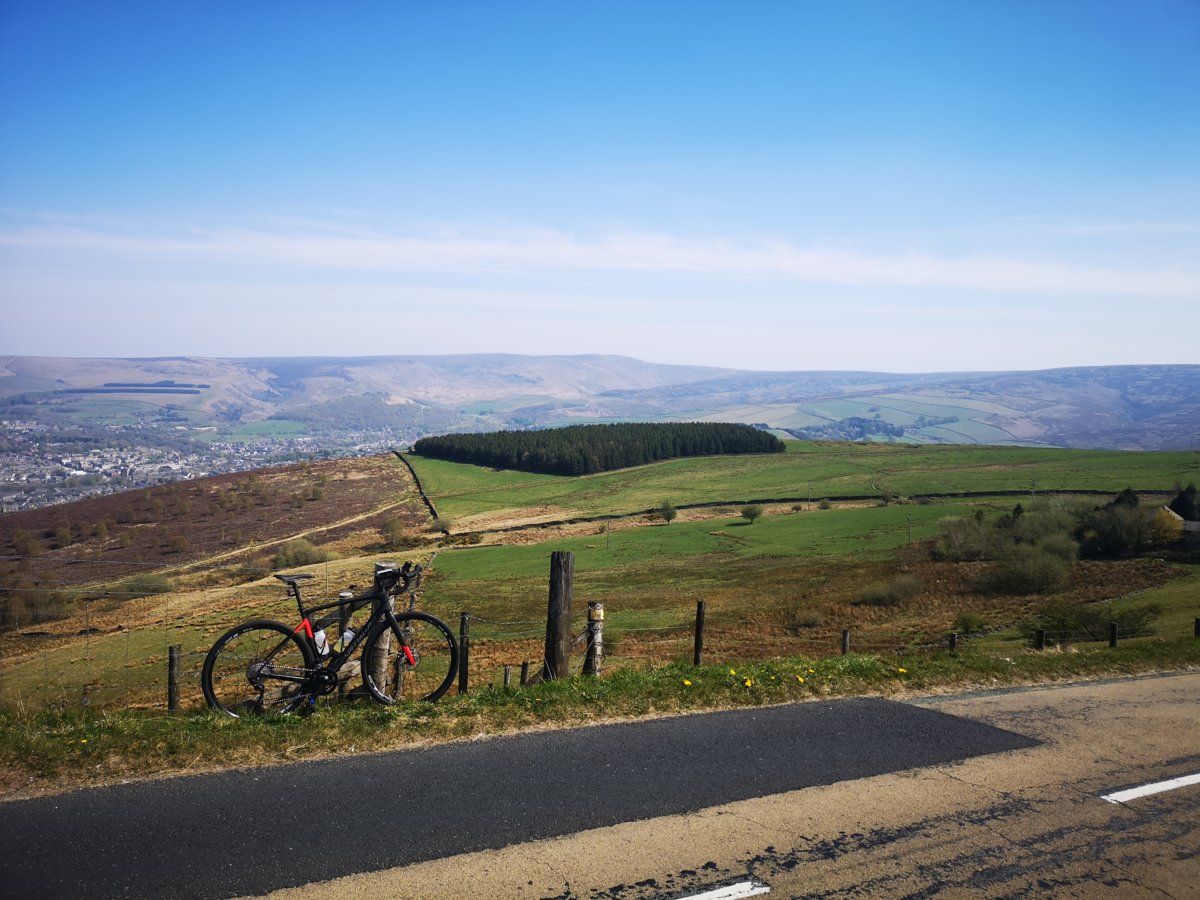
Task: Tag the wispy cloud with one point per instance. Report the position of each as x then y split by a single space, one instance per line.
336 247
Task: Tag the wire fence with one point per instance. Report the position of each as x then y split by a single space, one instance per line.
112 650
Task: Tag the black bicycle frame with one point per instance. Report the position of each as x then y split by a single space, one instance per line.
381 612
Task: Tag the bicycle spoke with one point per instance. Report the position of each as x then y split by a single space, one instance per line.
255 671
412 664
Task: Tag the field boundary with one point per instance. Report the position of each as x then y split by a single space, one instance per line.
833 498
433 513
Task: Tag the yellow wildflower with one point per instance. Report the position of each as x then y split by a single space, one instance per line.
902 671
687 682
748 682
812 671
733 671
800 678
83 741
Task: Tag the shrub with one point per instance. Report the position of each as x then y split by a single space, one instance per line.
751 511
824 504
178 543
252 570
969 623
62 534
396 536
797 507
299 553
1061 546
1164 529
1112 531
25 543
1024 570
1066 621
666 511
144 586
442 524
964 540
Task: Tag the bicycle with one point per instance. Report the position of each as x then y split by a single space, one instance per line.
264 666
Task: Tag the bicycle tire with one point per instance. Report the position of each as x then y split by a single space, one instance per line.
441 640
287 635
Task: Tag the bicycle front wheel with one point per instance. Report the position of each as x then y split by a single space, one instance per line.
416 659
257 668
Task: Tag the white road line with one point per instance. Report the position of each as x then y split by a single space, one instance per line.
733 892
1147 789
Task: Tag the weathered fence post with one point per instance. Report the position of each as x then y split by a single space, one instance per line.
174 669
507 677
1112 634
845 641
1196 628
595 639
557 657
1039 642
524 673
954 642
698 647
464 650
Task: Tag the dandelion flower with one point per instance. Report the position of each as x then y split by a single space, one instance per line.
733 671
83 741
812 671
687 682
800 678
748 682
902 671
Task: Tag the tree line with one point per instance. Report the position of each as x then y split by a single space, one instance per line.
584 449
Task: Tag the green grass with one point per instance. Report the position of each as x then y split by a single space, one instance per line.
465 491
659 571
73 747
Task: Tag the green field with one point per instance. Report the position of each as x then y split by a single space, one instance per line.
472 494
653 575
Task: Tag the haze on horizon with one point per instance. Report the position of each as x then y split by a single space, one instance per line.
927 187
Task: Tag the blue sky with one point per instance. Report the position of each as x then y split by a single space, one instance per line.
902 186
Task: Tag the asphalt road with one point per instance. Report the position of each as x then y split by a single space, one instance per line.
255 831
1036 821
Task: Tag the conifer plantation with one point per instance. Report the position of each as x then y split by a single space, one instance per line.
585 449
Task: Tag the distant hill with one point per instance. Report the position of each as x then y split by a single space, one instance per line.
1129 407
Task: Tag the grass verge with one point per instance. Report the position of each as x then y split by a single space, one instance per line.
58 750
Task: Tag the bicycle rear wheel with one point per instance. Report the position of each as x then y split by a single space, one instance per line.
415 660
257 668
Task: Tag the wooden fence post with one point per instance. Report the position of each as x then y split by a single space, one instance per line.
524 673
507 677
174 669
1112 634
953 642
1039 642
557 656
698 646
464 650
1196 628
845 641
595 639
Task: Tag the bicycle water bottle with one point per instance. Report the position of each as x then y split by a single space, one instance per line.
344 641
322 641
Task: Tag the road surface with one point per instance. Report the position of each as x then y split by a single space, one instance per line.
1000 794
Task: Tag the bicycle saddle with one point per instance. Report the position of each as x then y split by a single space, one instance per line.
292 579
